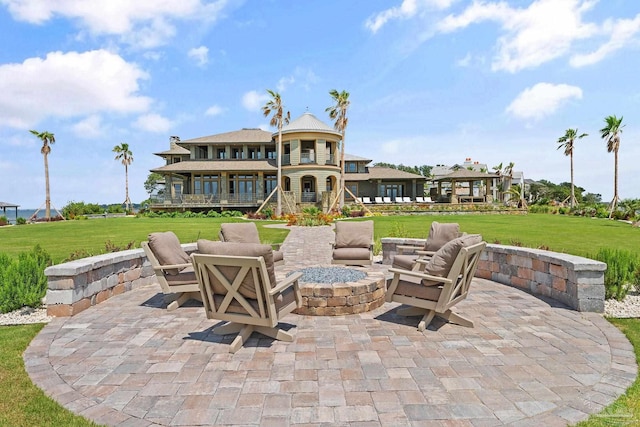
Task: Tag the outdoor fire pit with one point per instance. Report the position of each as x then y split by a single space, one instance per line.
335 291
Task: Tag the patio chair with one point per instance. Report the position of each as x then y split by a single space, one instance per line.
366 200
238 286
354 243
172 267
399 200
439 235
443 283
419 199
428 200
406 199
247 232
379 200
387 199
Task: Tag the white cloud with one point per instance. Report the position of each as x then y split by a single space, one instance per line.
214 110
621 32
153 123
406 10
540 33
69 85
253 100
139 23
91 127
200 55
464 62
542 99
284 82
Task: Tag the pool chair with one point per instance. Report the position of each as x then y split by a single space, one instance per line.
419 199
354 243
172 267
399 200
443 283
366 200
406 199
246 232
379 200
439 235
239 287
387 199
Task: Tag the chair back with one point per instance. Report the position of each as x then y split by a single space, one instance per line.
239 232
461 274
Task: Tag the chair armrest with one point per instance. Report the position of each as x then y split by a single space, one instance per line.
426 253
285 283
421 275
171 267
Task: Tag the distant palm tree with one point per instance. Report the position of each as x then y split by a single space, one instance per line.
611 133
338 113
126 157
274 106
47 139
567 142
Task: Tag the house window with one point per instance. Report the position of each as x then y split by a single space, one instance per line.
254 152
242 186
270 182
353 187
392 190
220 153
176 159
351 167
201 152
270 152
236 152
206 184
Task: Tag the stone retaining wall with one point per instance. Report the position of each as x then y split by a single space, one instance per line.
77 285
575 281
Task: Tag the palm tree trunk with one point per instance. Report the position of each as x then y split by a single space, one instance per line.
573 194
614 202
341 203
279 177
127 201
47 200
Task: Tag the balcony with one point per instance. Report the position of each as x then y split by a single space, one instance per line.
307 158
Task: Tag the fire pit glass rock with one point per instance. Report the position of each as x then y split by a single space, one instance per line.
330 275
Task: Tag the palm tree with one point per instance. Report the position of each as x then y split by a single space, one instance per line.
338 112
611 133
126 157
566 141
47 139
274 106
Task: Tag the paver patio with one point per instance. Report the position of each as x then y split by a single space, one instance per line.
527 362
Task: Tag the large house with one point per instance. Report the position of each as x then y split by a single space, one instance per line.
238 170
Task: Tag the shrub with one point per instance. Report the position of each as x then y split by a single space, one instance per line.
22 280
3 221
21 221
623 272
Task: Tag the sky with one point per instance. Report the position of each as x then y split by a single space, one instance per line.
430 82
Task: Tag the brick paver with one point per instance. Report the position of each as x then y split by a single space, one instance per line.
129 362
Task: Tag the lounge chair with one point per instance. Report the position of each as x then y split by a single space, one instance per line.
399 200
379 200
172 267
246 232
366 200
387 199
428 200
406 199
443 283
238 286
354 243
359 199
419 199
439 235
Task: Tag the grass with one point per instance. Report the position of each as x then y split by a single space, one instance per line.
23 404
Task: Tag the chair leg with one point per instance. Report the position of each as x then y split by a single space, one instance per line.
228 328
411 311
181 299
275 333
428 317
456 318
243 335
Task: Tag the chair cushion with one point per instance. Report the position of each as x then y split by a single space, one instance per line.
440 234
166 247
247 287
354 254
278 256
441 262
239 232
406 262
354 234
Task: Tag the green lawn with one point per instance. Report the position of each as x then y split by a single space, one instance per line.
22 404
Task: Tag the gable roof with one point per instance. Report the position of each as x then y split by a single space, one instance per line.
266 165
174 150
243 135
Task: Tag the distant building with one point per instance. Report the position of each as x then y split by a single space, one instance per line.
238 170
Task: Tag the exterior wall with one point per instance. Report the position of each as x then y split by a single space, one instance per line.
77 285
575 281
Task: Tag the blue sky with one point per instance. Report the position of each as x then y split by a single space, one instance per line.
430 82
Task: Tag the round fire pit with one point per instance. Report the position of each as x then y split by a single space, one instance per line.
335 291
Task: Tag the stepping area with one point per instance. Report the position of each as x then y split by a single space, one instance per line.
528 362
